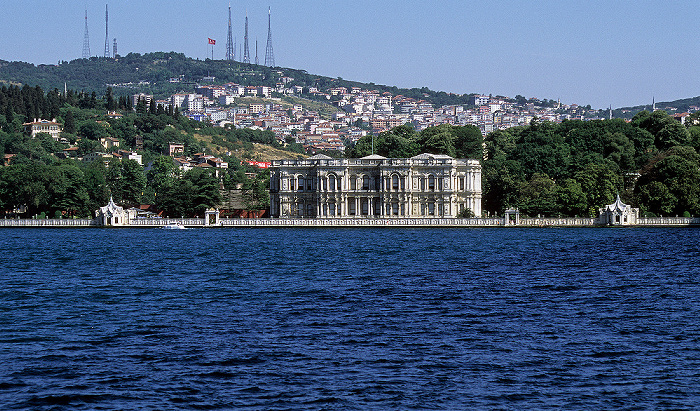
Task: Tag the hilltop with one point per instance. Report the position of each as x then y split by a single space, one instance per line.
164 73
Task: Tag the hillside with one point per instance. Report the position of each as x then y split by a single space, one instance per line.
152 73
671 107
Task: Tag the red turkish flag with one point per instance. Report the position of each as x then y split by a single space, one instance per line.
212 41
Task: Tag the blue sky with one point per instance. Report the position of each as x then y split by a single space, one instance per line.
601 53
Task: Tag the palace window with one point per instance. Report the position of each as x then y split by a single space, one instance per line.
300 183
395 182
431 183
365 182
331 182
353 183
331 208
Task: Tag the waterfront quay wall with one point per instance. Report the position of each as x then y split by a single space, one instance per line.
349 222
67 223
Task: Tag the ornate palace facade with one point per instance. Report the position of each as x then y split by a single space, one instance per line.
427 185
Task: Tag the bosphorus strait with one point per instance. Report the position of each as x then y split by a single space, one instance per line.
282 319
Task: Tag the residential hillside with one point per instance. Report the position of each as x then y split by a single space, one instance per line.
169 131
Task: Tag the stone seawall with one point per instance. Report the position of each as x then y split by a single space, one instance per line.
48 223
350 222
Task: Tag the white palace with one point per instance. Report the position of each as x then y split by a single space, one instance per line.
427 185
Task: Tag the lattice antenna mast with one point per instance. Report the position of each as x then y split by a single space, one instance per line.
114 49
256 52
235 40
106 31
230 48
246 51
269 54
86 40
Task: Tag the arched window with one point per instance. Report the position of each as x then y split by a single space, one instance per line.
395 208
431 183
365 182
331 208
300 183
331 182
395 182
353 182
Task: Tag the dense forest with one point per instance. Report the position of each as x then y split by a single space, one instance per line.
549 169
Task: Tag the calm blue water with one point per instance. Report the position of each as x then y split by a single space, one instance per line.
316 319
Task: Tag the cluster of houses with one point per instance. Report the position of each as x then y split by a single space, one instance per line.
359 112
198 160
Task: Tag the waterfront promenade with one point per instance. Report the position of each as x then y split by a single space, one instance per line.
347 222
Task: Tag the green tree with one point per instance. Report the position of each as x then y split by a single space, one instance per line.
538 196
656 198
256 195
601 185
678 178
571 199
133 182
437 140
468 141
162 174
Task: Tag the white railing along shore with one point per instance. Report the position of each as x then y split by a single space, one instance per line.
350 222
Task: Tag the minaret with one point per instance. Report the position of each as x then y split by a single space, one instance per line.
230 50
653 105
269 55
256 52
86 40
246 51
106 31
610 112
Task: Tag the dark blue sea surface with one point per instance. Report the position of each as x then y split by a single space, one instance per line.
324 319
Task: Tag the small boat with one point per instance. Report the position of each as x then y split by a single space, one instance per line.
174 226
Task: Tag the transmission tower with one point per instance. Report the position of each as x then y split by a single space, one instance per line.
86 40
106 32
246 51
269 55
256 52
114 49
230 50
235 40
